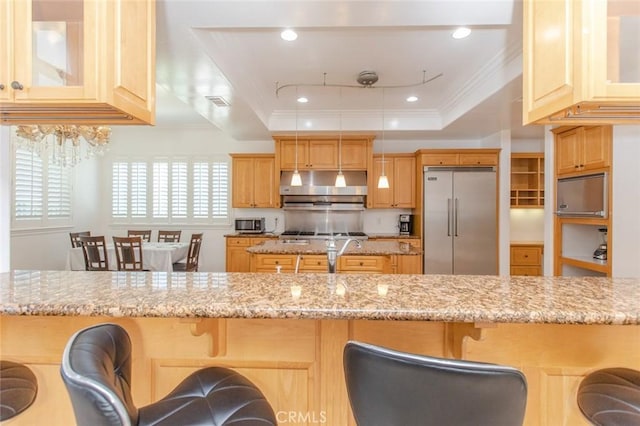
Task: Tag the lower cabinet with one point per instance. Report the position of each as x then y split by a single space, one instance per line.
526 259
237 257
364 264
317 263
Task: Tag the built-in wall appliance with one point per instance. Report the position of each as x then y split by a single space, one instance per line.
582 196
405 223
250 225
460 220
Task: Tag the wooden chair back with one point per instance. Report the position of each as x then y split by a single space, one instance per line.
128 253
94 250
145 234
169 236
193 255
75 241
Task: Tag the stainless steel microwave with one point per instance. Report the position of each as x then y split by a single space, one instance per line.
250 225
583 196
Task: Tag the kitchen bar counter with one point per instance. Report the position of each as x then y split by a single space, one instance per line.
286 332
369 248
451 298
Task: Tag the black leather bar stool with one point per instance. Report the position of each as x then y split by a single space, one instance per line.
392 388
18 389
611 397
96 368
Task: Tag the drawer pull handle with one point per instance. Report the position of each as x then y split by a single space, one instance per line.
526 255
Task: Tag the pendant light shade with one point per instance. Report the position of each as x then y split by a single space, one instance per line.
296 180
383 182
340 181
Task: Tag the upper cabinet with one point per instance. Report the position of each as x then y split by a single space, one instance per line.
254 182
400 170
582 149
580 62
323 153
77 61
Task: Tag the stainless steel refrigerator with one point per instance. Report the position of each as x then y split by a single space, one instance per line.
460 220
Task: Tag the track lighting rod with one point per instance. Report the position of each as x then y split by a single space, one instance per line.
366 80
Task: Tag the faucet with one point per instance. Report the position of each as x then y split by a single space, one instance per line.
333 252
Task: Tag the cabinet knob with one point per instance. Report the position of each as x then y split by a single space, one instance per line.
577 166
16 86
318 263
361 263
277 262
1 86
581 165
526 255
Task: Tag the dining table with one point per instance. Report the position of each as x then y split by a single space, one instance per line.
155 256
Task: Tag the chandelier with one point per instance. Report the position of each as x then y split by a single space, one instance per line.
67 144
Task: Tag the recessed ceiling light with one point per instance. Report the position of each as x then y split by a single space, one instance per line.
461 32
288 35
303 100
412 98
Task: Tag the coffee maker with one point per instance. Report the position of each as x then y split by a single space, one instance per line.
601 252
406 224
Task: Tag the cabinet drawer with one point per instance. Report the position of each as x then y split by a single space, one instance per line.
440 159
269 261
313 263
362 263
526 255
531 271
239 242
478 159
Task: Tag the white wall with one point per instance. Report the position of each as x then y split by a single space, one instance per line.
625 238
5 198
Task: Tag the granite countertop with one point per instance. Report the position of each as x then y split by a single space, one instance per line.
450 298
369 248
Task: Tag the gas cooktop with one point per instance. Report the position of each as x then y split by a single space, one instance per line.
322 235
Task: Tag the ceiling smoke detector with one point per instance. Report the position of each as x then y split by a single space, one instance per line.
367 78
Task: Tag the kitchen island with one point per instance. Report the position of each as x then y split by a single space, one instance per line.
301 255
286 331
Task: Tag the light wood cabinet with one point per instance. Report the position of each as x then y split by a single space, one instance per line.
459 158
254 181
527 180
401 172
526 259
353 264
577 65
237 257
101 69
323 152
582 149
404 264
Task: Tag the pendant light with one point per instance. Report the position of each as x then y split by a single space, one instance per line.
340 181
296 180
383 181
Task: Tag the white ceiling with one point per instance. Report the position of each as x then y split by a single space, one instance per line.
233 49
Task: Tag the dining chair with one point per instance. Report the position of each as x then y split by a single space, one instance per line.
193 256
75 242
388 387
169 236
128 253
145 235
97 372
94 250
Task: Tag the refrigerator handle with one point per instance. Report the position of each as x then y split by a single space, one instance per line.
455 218
448 217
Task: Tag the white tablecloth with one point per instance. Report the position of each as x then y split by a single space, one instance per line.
155 256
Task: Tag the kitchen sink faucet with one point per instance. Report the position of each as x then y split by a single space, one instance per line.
333 252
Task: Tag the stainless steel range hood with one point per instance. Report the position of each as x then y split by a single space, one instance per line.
322 182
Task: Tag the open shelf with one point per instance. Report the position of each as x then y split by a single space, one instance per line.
527 180
586 262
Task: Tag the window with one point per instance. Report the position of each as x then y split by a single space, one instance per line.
171 191
42 191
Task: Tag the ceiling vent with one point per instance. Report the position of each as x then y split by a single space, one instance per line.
218 101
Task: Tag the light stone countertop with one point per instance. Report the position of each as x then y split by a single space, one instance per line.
450 298
369 248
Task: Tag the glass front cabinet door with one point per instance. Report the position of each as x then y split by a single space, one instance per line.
66 60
